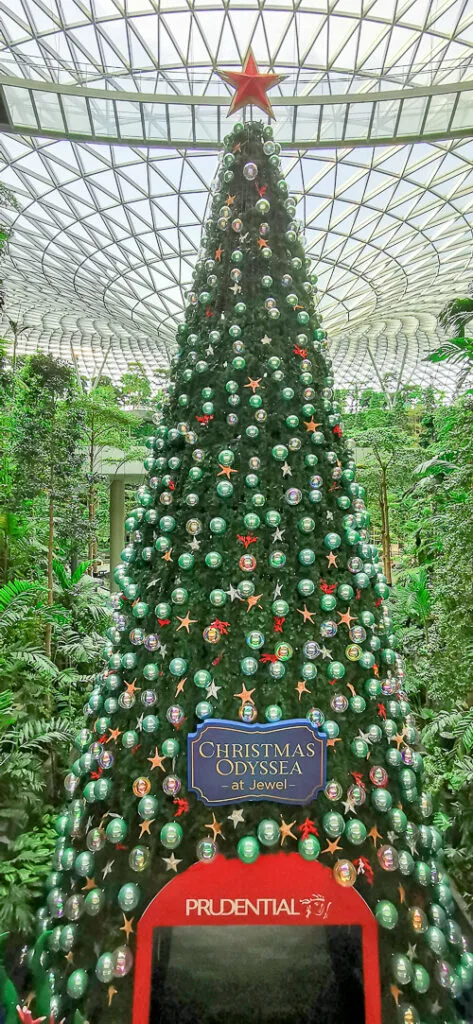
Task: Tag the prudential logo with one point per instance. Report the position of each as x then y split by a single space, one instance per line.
267 907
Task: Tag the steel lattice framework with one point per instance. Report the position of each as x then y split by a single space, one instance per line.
112 113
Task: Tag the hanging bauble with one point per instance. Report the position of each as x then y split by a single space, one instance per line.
175 714
248 849
333 824
204 709
401 968
104 968
344 872
250 171
309 848
77 984
268 832
128 896
171 785
139 858
122 961
388 857
386 914
420 978
273 713
248 713
355 832
171 835
206 850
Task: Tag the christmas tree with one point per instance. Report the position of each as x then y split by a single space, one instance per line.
249 592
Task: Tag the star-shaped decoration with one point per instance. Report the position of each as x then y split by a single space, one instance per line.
215 827
235 288
108 868
306 614
253 384
230 200
278 589
262 243
332 560
127 927
395 992
209 350
346 618
212 690
349 806
90 822
234 594
219 254
286 830
156 761
435 1007
332 847
70 959
333 740
145 827
185 623
326 654
139 722
167 556
194 544
114 734
180 686
329 516
227 471
131 688
286 469
90 883
302 688
374 835
171 862
111 992
411 951
245 237
402 892
310 426
251 86
252 600
237 817
245 695
278 534
162 650
364 736
265 340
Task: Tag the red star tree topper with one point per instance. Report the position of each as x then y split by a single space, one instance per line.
250 85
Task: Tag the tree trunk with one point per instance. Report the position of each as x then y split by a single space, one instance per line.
92 507
386 527
48 632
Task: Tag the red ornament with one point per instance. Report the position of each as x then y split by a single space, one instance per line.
222 626
298 351
204 419
265 658
358 595
363 867
381 711
97 774
172 486
378 601
279 621
307 829
357 776
208 312
26 1017
250 85
262 190
338 431
217 660
328 588
246 539
182 807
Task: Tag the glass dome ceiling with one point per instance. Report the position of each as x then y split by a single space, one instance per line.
112 112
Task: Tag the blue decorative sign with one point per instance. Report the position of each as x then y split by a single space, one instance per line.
230 762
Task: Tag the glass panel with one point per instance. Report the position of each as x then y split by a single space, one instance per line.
464 112
206 124
75 112
307 124
20 106
103 117
440 112
49 111
129 119
385 116
358 121
412 115
154 115
333 116
180 120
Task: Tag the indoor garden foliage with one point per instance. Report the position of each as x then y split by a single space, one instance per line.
249 590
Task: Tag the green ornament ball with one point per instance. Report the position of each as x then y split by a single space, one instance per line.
386 914
116 830
420 978
128 896
355 832
77 984
248 849
171 835
268 832
309 848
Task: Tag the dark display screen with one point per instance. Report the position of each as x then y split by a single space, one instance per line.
253 974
